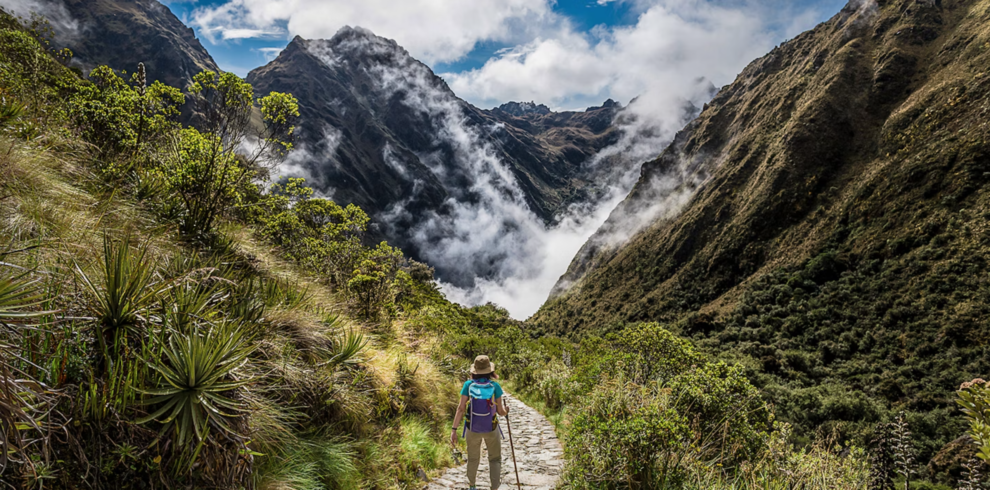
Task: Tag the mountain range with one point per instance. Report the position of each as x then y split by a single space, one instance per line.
379 129
822 221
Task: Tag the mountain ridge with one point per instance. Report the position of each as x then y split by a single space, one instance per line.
379 129
830 234
123 33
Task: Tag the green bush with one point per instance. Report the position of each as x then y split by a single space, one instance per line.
974 399
118 117
624 434
204 169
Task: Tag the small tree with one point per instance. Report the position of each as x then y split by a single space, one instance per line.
373 280
206 170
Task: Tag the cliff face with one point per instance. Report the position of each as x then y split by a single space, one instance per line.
381 130
823 220
123 33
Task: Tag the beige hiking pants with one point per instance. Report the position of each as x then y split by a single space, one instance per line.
494 445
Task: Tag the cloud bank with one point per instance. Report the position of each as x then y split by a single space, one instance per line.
66 27
434 30
485 241
664 63
671 43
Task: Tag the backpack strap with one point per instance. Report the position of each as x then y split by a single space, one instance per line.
467 420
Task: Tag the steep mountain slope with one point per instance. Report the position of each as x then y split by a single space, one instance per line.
824 218
123 33
381 130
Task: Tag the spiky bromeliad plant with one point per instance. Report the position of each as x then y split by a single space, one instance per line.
346 348
128 289
197 371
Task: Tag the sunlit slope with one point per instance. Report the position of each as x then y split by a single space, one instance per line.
866 135
824 222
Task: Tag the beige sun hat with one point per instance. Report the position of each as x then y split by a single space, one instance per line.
482 365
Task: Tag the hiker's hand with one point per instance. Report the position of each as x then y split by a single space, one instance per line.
453 437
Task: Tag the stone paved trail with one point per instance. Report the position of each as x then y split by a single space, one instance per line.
538 454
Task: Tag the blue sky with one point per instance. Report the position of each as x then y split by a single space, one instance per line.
497 50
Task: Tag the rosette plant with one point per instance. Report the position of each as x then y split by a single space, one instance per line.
198 379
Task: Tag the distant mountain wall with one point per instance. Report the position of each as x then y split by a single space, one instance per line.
381 130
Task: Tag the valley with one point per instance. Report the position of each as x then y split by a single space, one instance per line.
280 281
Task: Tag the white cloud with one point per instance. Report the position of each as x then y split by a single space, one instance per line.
669 46
66 27
233 33
269 53
433 30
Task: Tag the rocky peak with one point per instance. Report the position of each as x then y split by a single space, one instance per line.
379 129
520 109
609 104
121 34
359 46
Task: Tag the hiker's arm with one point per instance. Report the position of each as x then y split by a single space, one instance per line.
457 418
501 407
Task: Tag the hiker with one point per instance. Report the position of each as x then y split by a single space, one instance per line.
484 397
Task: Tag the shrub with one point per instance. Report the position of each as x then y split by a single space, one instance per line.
625 434
318 233
204 169
660 405
118 118
554 384
654 352
373 281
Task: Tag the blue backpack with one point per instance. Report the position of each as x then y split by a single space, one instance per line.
481 407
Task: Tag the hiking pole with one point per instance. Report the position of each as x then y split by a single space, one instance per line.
511 447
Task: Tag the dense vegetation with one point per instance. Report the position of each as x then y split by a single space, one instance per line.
167 318
837 248
172 315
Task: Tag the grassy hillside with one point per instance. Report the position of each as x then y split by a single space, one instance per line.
839 246
156 334
172 318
